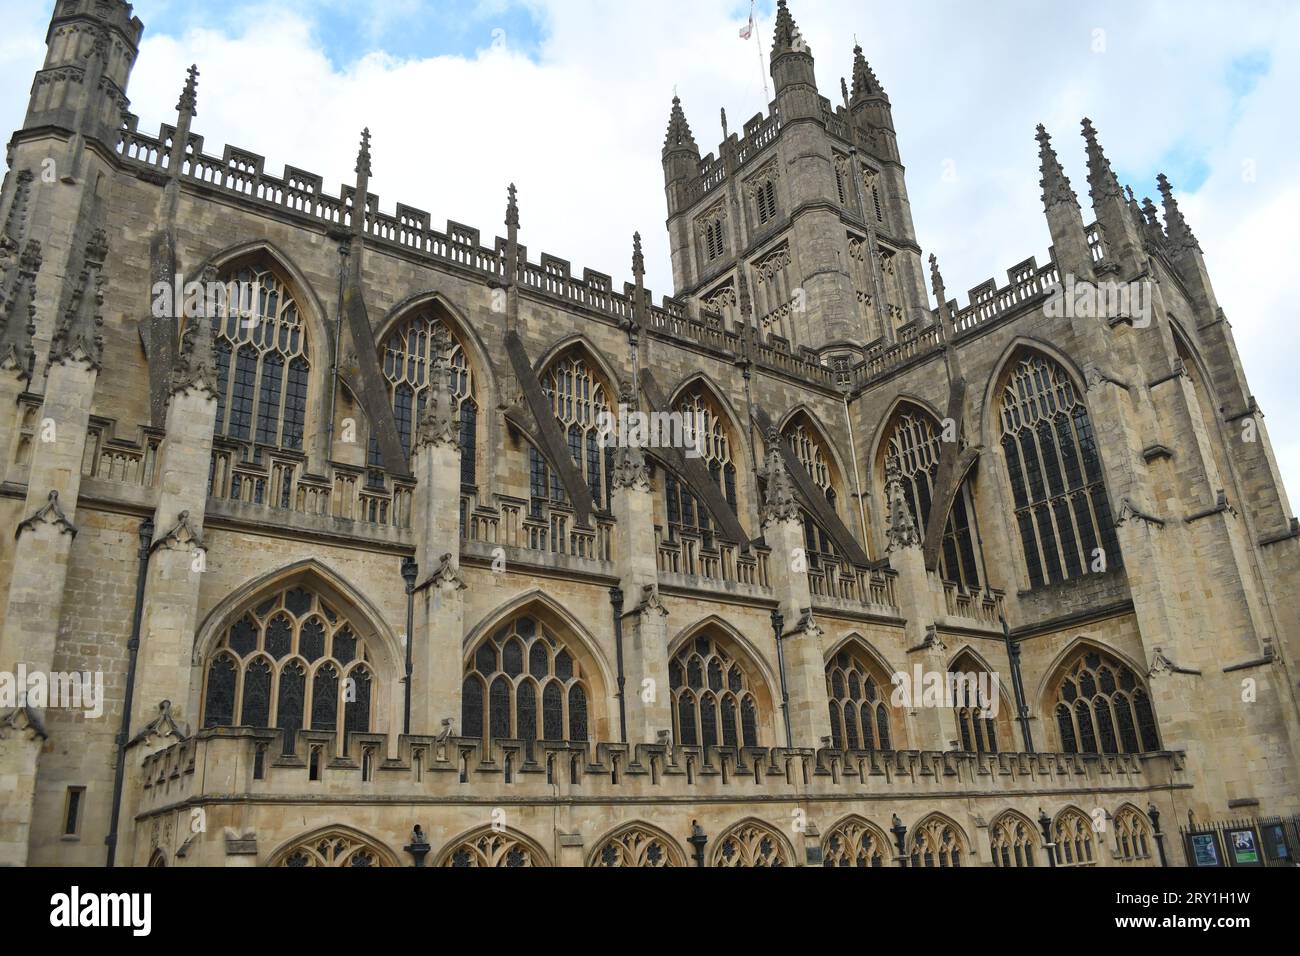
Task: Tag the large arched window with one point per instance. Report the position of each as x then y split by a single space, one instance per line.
336 847
1013 838
261 355
937 842
1057 485
1072 834
523 683
751 844
713 697
578 395
409 352
290 662
637 845
1101 706
855 842
1132 835
859 694
684 511
913 441
982 721
811 452
491 847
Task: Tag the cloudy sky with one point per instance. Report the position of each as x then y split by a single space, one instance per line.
570 98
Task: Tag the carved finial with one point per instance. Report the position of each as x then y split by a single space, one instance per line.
363 156
1152 217
1056 185
787 39
865 83
512 208
18 317
725 132
779 502
679 131
936 280
77 337
190 95
440 424
196 363
900 527
1102 182
1180 233
638 259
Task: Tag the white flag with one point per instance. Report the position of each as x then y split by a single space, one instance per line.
747 30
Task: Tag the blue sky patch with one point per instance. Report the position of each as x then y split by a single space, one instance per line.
349 29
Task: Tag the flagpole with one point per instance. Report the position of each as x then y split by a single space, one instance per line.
758 42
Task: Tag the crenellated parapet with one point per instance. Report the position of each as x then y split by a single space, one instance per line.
247 764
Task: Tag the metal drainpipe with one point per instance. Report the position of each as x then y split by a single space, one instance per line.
410 571
1022 712
778 626
616 599
133 652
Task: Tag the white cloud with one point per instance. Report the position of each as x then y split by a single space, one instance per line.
580 127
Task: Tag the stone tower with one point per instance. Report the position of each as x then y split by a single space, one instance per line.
800 227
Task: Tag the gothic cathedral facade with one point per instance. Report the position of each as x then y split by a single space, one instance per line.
367 586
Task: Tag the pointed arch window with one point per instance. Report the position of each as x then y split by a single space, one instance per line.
713 700
859 703
579 398
1132 836
937 843
292 661
981 720
408 356
809 451
1012 840
261 357
751 845
1054 467
915 444
523 683
685 512
1072 834
1101 706
855 843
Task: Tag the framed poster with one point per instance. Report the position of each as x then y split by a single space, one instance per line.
1275 843
1243 845
1203 849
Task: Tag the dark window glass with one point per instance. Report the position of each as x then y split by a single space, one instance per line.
219 703
256 710
325 698
357 710
289 710
471 707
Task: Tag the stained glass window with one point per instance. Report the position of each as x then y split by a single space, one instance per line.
1101 707
261 327
708 685
859 709
521 664
1054 468
298 644
579 396
408 356
915 444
